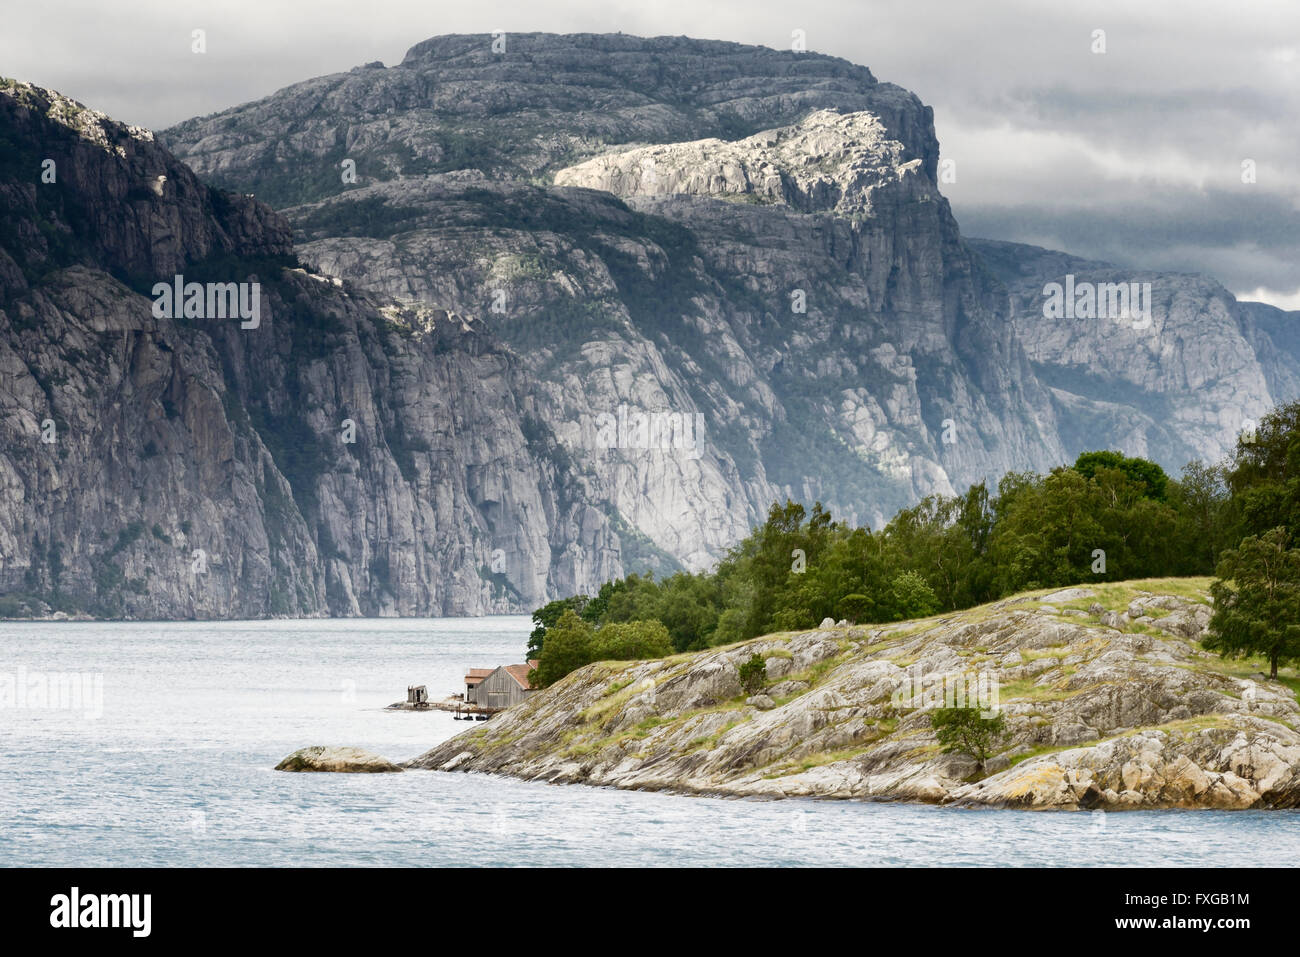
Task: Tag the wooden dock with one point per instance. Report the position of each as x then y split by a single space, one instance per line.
457 706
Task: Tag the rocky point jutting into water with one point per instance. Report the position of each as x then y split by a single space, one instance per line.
1109 700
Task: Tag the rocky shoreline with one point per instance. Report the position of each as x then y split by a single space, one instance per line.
1110 703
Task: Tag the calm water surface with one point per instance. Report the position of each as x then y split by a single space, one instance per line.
177 772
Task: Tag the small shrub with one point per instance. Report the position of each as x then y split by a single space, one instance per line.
753 675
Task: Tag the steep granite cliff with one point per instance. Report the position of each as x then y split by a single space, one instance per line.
340 455
571 305
754 236
803 288
1178 384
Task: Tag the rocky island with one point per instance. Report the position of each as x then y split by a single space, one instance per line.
345 760
1110 703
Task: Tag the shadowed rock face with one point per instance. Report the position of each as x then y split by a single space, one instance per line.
175 468
1097 717
118 199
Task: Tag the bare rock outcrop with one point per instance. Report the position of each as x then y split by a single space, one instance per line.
1096 717
337 759
828 161
1240 762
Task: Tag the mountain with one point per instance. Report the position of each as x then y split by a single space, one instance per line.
586 304
542 103
753 235
1182 388
815 304
192 467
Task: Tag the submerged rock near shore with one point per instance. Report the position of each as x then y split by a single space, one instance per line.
348 760
1110 703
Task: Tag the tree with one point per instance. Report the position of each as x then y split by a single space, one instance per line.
855 608
1265 473
793 619
545 618
1148 474
689 606
944 538
1049 530
753 675
567 648
913 596
634 598
1257 600
631 641
759 571
731 626
966 731
595 609
1206 520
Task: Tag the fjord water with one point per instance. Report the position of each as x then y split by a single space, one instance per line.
178 772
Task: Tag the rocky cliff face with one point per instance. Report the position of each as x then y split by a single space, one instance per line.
684 305
344 455
827 162
1108 699
796 280
1177 384
755 236
525 107
589 304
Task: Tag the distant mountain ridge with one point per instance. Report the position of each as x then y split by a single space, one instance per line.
1207 368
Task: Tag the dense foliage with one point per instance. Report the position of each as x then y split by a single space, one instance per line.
753 675
1107 517
572 642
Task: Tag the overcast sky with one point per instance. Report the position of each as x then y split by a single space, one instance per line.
1133 155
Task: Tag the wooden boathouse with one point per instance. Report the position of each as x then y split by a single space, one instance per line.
501 687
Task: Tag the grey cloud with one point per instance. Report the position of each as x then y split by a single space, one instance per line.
1186 89
1244 243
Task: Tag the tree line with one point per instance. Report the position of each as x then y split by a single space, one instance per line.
1106 517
